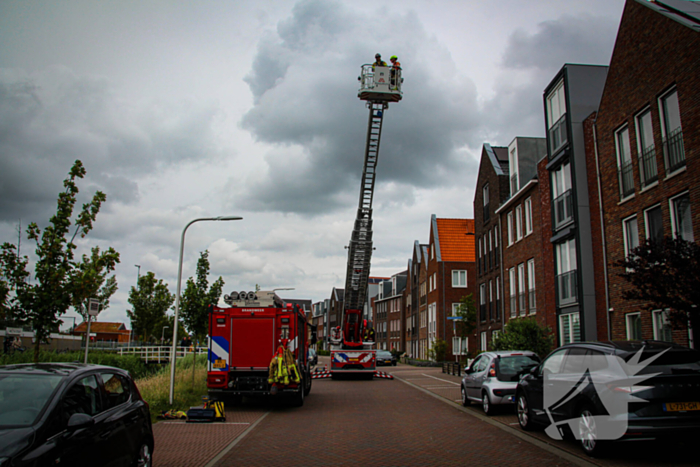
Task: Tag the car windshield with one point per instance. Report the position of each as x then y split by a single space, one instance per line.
509 368
23 397
383 354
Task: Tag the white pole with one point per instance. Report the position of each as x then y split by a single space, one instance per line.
177 296
87 339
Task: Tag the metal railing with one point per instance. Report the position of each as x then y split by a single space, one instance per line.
159 354
626 179
513 306
673 147
522 302
563 209
566 288
531 300
647 164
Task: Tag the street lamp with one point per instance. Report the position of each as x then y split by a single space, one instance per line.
162 335
177 296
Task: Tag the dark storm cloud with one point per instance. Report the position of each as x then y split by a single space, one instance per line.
304 81
531 61
50 119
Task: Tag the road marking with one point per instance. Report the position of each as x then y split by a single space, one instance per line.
225 451
440 387
204 423
440 379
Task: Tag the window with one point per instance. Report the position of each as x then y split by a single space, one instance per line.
662 326
634 326
518 223
485 193
116 388
569 328
528 216
521 288
532 304
565 253
513 167
459 278
455 309
631 234
561 194
495 246
460 345
432 251
491 310
674 153
681 222
483 341
82 397
624 162
482 302
556 117
648 171
553 363
654 227
513 292
498 298
478 262
494 334
510 228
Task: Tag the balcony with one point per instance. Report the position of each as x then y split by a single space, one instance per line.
563 209
522 303
674 151
626 179
647 163
558 135
566 288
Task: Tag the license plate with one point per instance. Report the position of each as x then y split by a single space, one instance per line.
219 363
681 406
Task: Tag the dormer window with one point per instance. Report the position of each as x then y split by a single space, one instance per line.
556 118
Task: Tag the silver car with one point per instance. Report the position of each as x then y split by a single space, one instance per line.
493 376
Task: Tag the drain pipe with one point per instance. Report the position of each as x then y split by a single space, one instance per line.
602 231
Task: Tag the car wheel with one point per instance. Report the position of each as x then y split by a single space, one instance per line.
524 413
465 400
307 387
298 398
144 457
486 404
588 433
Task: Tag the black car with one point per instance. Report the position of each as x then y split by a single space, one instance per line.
606 391
72 414
384 357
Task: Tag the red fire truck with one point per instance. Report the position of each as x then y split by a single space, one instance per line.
245 337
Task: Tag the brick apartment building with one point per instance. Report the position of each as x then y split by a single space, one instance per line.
422 344
648 148
389 309
451 275
521 236
415 298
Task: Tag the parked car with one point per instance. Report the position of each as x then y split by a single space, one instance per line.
384 357
608 391
492 377
72 414
313 357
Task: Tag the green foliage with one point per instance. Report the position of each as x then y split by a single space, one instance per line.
150 302
131 363
89 280
438 350
525 334
665 274
195 301
42 302
467 314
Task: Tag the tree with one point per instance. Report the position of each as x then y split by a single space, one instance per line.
89 280
525 334
150 303
43 301
666 275
438 350
466 317
195 301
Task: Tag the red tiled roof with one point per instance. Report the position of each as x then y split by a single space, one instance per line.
456 237
101 327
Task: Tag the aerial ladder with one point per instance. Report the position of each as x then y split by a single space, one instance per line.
350 354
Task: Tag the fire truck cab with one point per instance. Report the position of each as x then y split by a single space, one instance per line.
244 338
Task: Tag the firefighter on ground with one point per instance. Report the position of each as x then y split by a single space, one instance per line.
378 61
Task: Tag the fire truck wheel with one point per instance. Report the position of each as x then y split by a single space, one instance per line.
307 386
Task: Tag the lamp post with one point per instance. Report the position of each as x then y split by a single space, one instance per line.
177 296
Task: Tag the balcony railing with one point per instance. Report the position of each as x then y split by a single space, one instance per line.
531 300
557 134
675 153
522 302
513 305
626 179
566 288
647 163
563 209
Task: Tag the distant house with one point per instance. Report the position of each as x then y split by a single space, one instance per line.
104 332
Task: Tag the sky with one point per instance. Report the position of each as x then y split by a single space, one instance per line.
180 110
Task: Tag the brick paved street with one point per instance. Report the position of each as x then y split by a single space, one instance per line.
413 420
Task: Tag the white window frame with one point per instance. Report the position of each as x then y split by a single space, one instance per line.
623 153
513 168
485 194
528 216
660 319
455 308
513 293
461 273
518 223
531 286
556 105
629 323
630 234
647 227
571 317
509 220
665 124
521 289
643 122
483 342
674 216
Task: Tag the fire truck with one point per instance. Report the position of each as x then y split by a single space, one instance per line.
351 353
243 339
